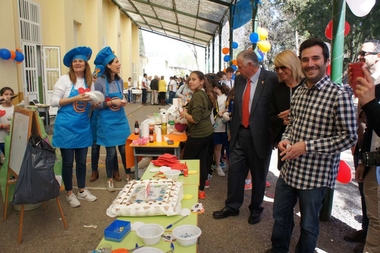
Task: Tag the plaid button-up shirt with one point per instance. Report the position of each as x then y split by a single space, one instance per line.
323 117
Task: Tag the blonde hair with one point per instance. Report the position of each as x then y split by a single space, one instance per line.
87 75
290 60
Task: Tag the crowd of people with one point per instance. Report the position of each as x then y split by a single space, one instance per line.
238 118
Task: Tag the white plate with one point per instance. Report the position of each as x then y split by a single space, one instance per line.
164 168
93 97
153 170
99 95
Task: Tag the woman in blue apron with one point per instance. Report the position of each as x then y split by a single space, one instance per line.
112 126
72 133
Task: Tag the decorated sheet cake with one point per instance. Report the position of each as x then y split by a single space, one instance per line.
148 198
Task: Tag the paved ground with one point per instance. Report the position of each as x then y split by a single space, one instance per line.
43 230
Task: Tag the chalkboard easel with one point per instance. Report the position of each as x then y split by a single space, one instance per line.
25 125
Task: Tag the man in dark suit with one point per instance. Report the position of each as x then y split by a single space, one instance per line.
250 143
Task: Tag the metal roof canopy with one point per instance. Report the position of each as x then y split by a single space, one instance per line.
194 22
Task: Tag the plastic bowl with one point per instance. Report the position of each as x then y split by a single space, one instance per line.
173 174
180 127
148 250
186 235
150 234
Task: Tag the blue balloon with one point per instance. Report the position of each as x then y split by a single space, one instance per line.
19 57
5 54
235 45
259 56
227 58
254 37
261 53
234 67
233 76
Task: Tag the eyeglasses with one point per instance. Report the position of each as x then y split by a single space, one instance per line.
364 53
283 68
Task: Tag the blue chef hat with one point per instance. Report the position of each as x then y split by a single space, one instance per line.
83 53
104 56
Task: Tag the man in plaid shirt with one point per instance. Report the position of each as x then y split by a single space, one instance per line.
322 124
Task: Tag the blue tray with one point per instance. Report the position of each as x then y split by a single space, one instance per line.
117 230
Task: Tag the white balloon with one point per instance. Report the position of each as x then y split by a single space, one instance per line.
361 8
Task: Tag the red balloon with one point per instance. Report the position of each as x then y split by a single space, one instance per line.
328 30
344 173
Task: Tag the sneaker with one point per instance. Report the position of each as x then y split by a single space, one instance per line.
220 172
267 184
248 187
110 186
207 184
86 195
73 201
209 176
201 195
222 164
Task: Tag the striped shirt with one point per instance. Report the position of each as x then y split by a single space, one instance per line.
323 117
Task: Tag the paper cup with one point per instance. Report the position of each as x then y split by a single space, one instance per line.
356 70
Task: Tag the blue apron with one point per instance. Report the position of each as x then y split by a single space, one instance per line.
113 126
72 125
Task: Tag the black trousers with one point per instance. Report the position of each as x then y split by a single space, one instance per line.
198 148
243 157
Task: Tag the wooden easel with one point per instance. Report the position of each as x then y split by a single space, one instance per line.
25 124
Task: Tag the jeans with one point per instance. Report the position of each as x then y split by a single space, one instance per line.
144 96
2 148
68 155
112 162
95 150
310 203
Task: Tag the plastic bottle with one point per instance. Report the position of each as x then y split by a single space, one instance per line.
137 128
151 136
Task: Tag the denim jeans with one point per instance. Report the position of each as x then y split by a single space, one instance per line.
95 153
68 155
310 203
112 162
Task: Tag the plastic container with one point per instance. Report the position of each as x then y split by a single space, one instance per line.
117 230
186 235
173 174
150 234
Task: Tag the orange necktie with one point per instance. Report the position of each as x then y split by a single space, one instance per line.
245 105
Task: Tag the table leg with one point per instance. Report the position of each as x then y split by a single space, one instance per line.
136 168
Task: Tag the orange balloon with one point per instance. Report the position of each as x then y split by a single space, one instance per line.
13 54
225 70
225 50
234 62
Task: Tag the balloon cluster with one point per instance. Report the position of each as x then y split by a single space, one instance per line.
17 55
227 58
259 38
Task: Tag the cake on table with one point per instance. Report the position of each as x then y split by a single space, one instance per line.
148 198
